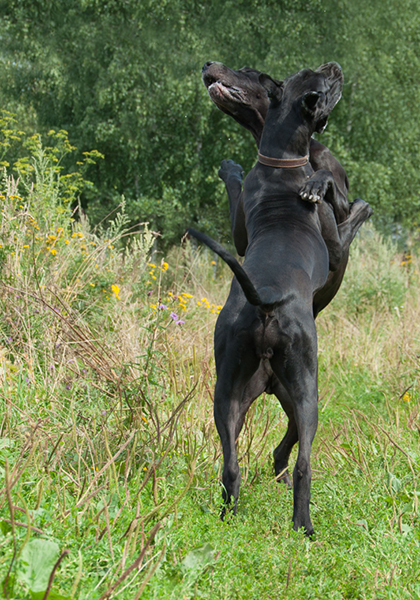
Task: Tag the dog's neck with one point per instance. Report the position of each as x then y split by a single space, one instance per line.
285 138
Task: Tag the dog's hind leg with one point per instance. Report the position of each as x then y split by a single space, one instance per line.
322 189
360 211
231 403
282 452
297 369
307 422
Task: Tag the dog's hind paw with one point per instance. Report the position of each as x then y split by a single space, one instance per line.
360 209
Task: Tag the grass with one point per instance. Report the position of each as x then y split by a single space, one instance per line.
110 463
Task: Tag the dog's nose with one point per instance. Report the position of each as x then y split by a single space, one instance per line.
207 65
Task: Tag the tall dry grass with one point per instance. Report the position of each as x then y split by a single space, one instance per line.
107 378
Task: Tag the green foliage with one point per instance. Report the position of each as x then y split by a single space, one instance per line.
124 78
83 336
377 278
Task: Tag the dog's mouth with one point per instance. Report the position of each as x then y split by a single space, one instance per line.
236 98
222 94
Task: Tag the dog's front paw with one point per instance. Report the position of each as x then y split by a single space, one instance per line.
314 190
230 169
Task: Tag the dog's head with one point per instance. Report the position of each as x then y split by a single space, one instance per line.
245 94
312 94
238 94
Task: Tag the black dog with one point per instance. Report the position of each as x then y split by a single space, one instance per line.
241 95
265 337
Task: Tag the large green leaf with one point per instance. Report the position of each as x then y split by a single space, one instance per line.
36 564
198 559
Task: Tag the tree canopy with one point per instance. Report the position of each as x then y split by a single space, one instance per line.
124 78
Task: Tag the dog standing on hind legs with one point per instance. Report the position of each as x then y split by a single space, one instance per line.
265 336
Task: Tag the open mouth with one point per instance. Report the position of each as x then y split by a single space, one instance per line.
221 93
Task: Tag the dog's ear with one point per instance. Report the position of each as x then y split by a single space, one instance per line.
310 101
273 87
334 78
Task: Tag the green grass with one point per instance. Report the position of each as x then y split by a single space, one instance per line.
110 464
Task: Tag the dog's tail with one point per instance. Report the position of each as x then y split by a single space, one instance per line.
246 284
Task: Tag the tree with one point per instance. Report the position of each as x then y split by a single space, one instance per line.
123 77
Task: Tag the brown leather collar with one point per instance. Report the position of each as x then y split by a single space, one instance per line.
283 163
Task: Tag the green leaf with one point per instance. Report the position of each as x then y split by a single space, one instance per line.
394 483
198 559
363 523
51 596
37 561
5 527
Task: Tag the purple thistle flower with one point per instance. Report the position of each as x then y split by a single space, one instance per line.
162 307
149 293
179 322
174 316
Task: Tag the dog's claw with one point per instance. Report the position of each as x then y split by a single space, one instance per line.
311 195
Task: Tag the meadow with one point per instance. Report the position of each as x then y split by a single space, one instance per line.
110 464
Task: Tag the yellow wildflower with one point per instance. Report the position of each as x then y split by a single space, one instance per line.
116 290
